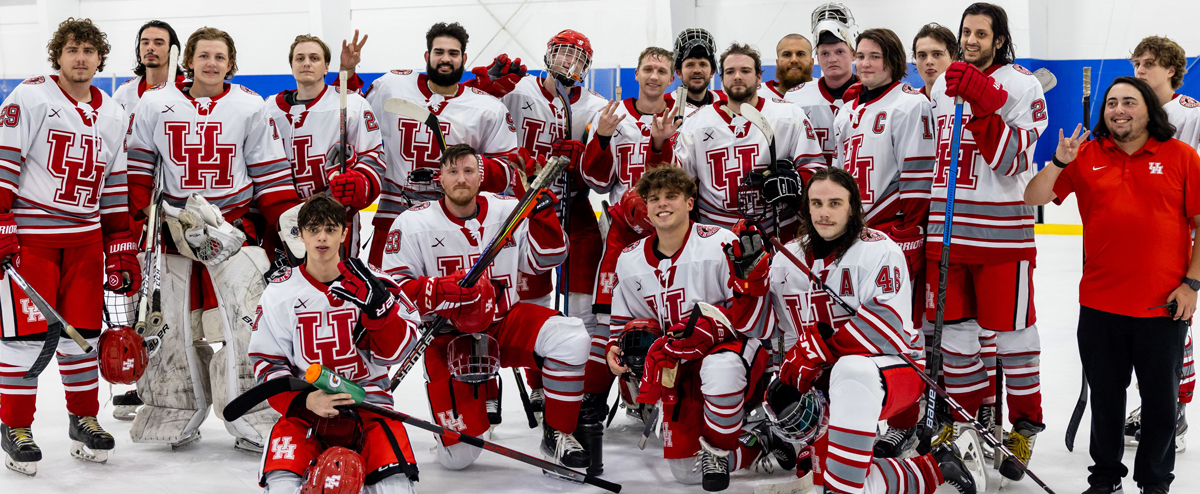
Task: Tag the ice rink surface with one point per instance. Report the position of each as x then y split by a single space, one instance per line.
213 466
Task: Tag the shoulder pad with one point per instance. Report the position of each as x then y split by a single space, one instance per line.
632 247
130 81
778 100
477 91
706 231
1021 69
280 275
1188 102
402 71
418 207
248 90
871 235
911 90
35 80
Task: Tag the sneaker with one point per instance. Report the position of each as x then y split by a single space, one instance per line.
1020 442
563 449
714 467
1105 489
954 471
1133 427
895 442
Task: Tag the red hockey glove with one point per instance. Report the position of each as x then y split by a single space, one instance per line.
749 263
807 358
8 238
651 389
473 317
122 273
696 343
851 94
352 189
912 241
983 92
499 78
442 294
804 460
569 149
370 292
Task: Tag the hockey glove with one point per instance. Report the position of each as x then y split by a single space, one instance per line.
651 389
360 286
352 189
571 150
912 241
783 186
9 248
749 263
499 78
442 295
122 273
983 92
807 358
696 342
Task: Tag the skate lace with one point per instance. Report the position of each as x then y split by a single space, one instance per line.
22 436
712 463
537 395
1019 445
567 444
893 436
91 425
493 406
944 436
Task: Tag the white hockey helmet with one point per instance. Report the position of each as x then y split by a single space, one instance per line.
836 19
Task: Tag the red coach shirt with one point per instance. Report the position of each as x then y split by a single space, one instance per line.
1135 210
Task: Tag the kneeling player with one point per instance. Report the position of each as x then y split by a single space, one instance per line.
349 318
427 250
861 350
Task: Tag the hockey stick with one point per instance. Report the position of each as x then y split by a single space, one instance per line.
1081 402
935 343
408 109
55 325
553 167
533 423
755 117
342 107
564 277
149 314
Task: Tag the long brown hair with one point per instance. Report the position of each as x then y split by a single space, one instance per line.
854 224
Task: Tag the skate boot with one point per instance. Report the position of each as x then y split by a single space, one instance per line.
493 412
563 449
895 442
954 471
771 446
125 406
247 445
1181 428
590 430
537 401
1020 442
987 418
89 441
21 454
1133 427
714 467
967 448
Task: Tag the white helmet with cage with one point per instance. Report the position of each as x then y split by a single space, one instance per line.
836 19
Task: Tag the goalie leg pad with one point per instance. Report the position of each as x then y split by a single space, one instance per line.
175 384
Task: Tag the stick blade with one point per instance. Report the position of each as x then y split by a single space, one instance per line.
756 117
49 346
173 65
406 108
1046 78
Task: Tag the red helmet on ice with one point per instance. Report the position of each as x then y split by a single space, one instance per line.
123 355
633 211
569 55
337 471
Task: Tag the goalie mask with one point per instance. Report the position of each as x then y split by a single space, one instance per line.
568 56
695 42
835 19
473 358
798 417
635 342
123 356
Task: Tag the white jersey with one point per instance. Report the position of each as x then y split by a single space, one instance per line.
426 240
887 144
62 169
226 148
470 116
311 130
719 150
1184 113
541 120
820 107
299 324
872 278
992 223
617 168
129 93
665 289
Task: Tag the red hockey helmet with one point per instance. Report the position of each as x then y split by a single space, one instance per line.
569 55
633 211
337 471
123 356
476 316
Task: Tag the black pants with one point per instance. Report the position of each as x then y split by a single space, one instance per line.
1111 347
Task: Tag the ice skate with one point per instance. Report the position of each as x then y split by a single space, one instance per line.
954 469
1133 427
537 401
563 449
1020 442
714 467
125 406
21 454
987 418
89 441
249 446
966 441
187 439
895 442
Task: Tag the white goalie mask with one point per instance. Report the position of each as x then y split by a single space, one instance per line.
836 19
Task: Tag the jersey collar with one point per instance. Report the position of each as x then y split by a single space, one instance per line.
183 89
96 95
479 200
423 85
771 85
281 99
573 92
652 240
727 117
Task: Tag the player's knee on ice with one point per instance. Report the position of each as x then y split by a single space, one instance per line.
564 339
722 373
456 456
685 470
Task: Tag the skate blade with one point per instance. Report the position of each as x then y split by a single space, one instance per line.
559 476
81 451
243 444
801 485
1180 444
538 416
491 432
1130 441
186 440
972 457
125 413
23 467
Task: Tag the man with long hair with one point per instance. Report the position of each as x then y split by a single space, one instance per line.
154 42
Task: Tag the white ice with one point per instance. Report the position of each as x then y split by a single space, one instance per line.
213 466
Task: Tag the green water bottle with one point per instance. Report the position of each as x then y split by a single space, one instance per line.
330 382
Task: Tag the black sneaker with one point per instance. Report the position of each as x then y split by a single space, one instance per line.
954 471
1105 489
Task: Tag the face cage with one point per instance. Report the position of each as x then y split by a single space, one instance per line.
803 421
568 61
691 36
832 11
473 358
120 310
751 204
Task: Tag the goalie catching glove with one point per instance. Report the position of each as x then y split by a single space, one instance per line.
201 232
749 263
371 293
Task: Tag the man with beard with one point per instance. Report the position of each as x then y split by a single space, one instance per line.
695 64
467 116
793 66
990 279
154 42
835 32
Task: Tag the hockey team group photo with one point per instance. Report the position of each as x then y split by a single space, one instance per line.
538 268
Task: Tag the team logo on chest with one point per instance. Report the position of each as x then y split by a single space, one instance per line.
1156 168
80 174
206 164
306 166
328 338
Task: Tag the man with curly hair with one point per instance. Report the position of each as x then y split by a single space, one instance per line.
62 193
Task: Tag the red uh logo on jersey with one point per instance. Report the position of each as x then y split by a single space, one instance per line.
306 168
206 164
327 338
631 161
81 175
424 152
532 129
860 167
967 178
671 309
727 172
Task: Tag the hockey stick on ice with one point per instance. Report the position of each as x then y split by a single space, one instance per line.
554 166
525 403
1081 402
55 325
408 109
